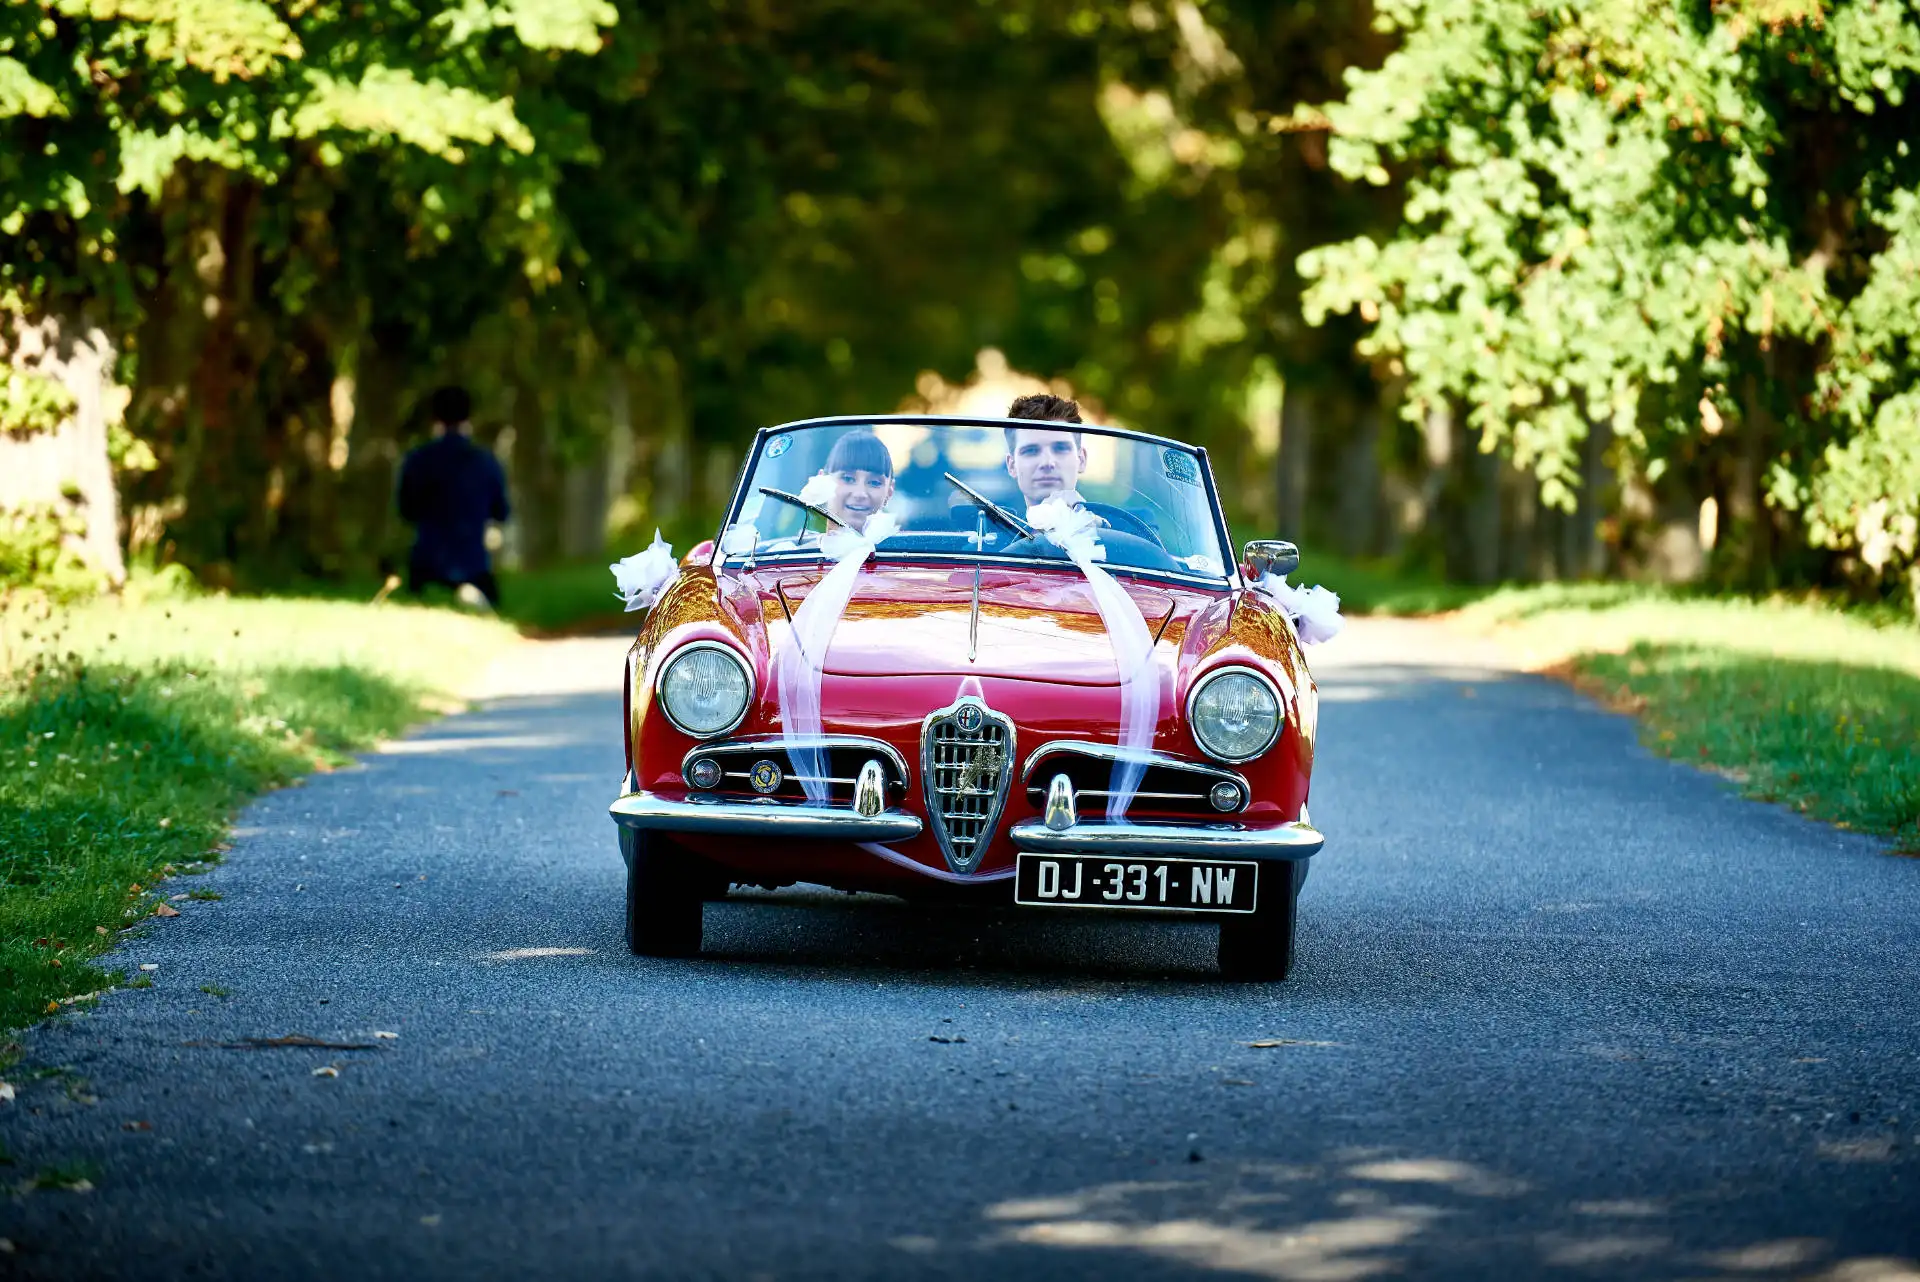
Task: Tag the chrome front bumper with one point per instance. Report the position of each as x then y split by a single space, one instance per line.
1288 841
643 810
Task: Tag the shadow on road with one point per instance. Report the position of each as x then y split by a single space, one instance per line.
1361 1213
804 930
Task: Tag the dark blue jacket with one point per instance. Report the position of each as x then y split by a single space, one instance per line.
449 489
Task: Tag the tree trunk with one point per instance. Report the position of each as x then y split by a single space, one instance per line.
1293 467
68 470
538 496
1524 527
370 476
1359 499
672 455
1470 508
1582 554
1746 513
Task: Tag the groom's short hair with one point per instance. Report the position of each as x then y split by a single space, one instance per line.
1045 408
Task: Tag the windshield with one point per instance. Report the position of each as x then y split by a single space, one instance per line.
1152 498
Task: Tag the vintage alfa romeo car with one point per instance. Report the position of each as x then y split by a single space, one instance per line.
972 658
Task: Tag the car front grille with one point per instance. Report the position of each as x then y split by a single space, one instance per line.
967 764
1167 785
839 757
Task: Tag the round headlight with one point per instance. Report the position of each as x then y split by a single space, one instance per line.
1235 715
704 690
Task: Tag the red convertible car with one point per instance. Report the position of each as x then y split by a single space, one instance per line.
987 659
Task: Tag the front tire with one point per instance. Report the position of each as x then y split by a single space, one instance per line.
664 908
1259 946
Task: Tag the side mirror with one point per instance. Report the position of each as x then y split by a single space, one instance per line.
1271 556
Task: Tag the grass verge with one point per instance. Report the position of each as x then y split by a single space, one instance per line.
564 599
129 734
560 600
1800 703
1382 587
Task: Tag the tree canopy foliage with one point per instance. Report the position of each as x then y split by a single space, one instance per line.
1695 225
1654 252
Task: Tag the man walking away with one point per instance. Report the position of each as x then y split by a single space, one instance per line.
449 489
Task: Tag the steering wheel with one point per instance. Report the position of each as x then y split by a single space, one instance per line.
1124 522
1123 550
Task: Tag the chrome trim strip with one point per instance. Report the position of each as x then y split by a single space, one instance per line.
1227 840
645 810
1146 756
762 742
929 781
748 774
973 618
1137 796
1279 702
660 681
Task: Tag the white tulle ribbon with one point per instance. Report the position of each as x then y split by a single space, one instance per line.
1073 531
818 490
642 577
800 662
1315 611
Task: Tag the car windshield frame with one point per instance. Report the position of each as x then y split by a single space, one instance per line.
1230 579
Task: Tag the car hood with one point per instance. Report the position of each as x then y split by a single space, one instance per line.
1040 625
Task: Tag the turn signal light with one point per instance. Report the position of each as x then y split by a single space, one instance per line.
1225 796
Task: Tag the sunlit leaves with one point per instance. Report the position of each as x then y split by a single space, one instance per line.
1605 200
390 103
539 24
147 158
22 95
222 38
30 402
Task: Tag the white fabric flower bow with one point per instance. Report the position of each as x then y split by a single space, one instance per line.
1071 528
1315 611
843 541
642 577
818 491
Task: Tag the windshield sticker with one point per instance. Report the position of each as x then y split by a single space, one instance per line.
779 445
1180 466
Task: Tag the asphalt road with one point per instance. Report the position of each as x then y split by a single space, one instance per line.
1561 1009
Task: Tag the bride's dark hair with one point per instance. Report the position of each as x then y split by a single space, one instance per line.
860 451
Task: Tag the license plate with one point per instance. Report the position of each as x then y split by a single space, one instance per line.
1151 884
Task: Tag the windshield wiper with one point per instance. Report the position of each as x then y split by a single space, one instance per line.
992 509
799 502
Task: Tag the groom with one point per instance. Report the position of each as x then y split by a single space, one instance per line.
1045 461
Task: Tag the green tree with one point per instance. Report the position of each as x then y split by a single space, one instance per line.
1688 223
171 169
